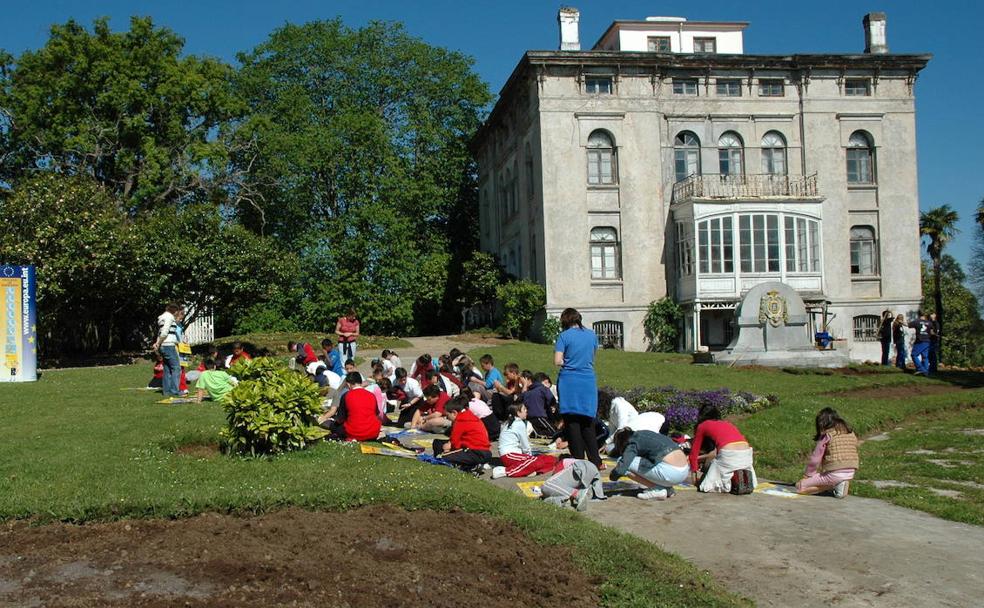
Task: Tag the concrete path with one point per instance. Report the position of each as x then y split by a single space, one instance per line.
804 551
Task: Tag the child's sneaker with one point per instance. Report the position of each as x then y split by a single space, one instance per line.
580 500
498 472
654 494
841 489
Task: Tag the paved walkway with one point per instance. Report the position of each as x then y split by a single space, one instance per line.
804 551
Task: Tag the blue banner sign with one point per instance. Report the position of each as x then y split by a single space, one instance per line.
18 324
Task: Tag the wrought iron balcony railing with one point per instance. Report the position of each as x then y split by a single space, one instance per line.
745 187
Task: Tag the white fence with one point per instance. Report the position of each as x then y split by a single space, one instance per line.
201 330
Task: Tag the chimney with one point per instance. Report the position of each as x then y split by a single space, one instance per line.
568 17
875 40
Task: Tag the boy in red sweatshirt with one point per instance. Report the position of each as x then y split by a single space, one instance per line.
469 446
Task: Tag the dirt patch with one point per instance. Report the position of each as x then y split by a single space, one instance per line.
376 556
198 450
895 392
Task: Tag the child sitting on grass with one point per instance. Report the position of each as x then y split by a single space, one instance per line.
834 460
429 415
469 445
214 383
514 448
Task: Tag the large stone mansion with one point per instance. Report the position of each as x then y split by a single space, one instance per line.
665 161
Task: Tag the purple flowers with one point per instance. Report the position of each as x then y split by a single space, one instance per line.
681 417
681 406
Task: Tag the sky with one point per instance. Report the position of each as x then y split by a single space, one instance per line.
497 33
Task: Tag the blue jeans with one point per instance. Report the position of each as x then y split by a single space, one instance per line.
172 371
663 474
343 351
900 356
920 357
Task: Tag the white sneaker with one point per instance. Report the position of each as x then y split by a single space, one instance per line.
654 494
841 489
498 472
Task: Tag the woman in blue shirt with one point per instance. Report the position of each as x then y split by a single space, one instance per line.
576 385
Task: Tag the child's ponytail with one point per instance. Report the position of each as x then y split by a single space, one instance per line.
514 410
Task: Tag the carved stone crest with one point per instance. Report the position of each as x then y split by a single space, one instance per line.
772 309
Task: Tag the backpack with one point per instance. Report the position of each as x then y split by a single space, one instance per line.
741 482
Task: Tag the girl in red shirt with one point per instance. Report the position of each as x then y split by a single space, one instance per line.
731 451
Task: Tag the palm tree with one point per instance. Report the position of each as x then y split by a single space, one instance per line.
940 225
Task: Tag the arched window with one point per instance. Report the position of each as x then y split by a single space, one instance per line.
866 328
686 155
601 158
860 159
773 154
530 188
508 192
514 188
605 257
864 250
730 154
610 334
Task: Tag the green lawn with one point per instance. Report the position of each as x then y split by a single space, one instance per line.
782 436
77 448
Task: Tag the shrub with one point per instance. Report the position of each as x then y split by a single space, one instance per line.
520 301
263 318
272 410
662 325
550 330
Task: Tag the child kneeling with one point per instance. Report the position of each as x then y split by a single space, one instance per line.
834 460
469 446
514 448
652 459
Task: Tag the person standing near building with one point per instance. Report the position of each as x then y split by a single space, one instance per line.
577 387
900 337
920 348
167 345
347 328
885 336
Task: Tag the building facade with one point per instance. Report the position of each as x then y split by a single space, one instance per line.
666 162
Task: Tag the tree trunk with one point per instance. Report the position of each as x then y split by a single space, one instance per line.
938 297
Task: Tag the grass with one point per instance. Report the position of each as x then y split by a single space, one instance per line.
77 448
782 436
939 456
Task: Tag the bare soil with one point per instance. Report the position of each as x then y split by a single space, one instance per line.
895 392
368 557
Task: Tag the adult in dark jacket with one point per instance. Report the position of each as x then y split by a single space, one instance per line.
885 335
899 338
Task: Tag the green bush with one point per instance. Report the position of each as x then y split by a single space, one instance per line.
520 301
662 325
264 318
550 330
272 410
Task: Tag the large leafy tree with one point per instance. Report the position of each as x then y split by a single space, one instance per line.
125 108
939 225
963 346
354 151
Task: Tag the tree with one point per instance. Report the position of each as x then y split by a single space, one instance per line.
83 248
354 150
521 301
940 226
662 325
124 108
963 346
977 259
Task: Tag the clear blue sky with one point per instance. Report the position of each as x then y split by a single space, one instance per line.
496 33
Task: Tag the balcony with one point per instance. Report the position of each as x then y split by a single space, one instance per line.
731 188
